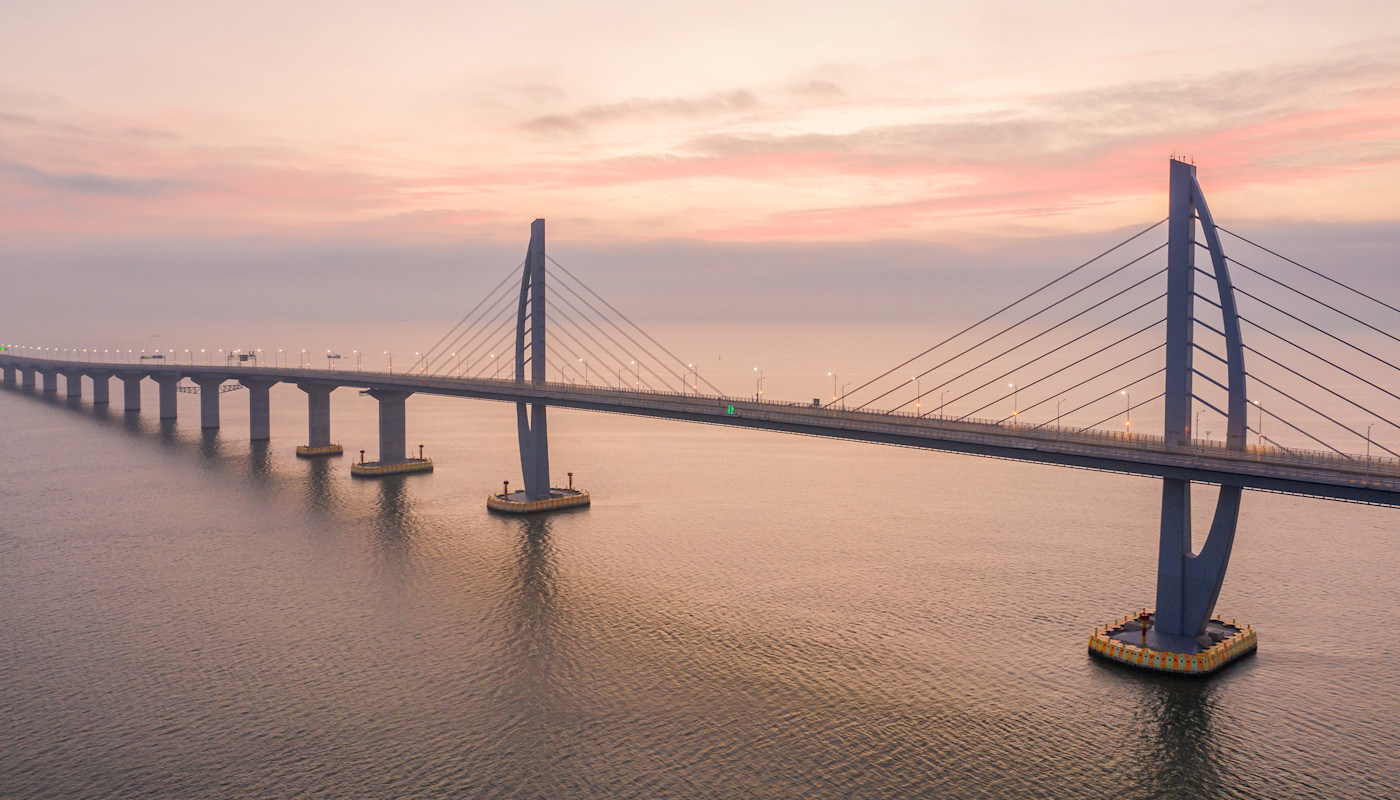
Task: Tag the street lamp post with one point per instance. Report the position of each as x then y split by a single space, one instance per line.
584 361
1260 429
833 385
1015 403
758 385
357 360
1128 412
391 361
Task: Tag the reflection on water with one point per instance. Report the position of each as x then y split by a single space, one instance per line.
210 445
394 525
1176 722
535 589
260 463
320 484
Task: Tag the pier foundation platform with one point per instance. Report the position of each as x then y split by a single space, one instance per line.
509 502
375 469
1130 641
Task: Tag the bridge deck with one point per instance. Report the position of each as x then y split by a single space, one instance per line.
1338 477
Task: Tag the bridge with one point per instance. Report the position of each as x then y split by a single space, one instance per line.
890 409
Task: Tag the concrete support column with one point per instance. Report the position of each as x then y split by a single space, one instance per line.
318 413
50 380
259 408
74 381
9 375
101 388
26 378
169 391
393 438
209 402
131 392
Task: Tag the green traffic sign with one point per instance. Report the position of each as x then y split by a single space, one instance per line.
731 409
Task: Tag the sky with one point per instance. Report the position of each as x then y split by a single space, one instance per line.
725 160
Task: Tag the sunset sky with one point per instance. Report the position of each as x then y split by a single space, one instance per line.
166 138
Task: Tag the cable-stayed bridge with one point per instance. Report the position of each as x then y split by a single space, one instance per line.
1154 326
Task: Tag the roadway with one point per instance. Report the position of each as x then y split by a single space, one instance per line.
1311 474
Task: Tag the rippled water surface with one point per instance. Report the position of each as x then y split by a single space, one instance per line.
739 615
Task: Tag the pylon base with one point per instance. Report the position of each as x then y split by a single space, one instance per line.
308 451
517 503
1123 642
374 469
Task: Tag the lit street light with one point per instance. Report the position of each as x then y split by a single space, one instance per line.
1260 430
1128 418
1015 403
758 385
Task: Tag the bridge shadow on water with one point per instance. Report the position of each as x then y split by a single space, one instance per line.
258 466
1181 754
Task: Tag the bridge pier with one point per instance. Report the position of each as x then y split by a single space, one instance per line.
531 419
50 380
1188 583
259 408
9 375
169 391
101 388
131 391
209 402
26 378
393 439
73 381
318 421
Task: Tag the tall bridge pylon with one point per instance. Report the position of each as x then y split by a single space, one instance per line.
1188 583
531 418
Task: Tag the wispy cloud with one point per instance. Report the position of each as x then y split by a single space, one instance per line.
87 182
641 109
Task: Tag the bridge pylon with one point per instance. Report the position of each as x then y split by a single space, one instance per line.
1189 581
531 419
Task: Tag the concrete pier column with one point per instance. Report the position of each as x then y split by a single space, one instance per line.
101 388
259 408
9 375
169 391
393 438
50 380
209 402
131 391
26 378
318 413
74 381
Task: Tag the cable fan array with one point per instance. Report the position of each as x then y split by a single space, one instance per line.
1080 346
1313 355
590 342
